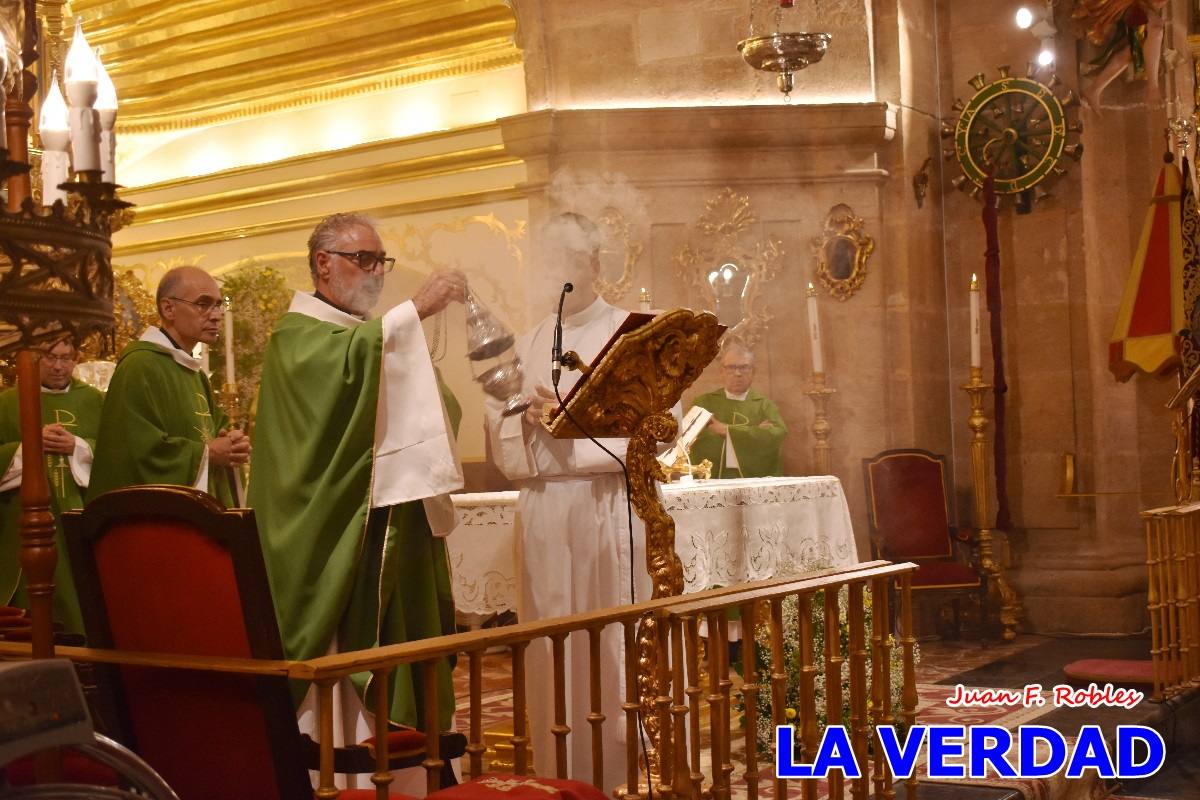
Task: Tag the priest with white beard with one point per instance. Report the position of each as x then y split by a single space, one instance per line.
575 548
353 457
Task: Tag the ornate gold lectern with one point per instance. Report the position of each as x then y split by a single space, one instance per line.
628 393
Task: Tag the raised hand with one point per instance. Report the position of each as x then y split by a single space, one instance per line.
445 286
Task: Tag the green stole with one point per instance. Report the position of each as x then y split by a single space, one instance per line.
759 450
372 576
158 418
78 410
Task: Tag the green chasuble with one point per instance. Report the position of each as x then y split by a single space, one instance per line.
77 408
158 417
758 448
337 566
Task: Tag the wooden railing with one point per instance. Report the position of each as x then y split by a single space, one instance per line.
1173 597
679 772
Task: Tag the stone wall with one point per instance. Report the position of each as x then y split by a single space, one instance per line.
864 123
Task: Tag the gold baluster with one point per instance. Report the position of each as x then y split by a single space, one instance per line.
596 717
858 687
520 739
383 776
694 691
909 696
833 677
808 693
560 728
778 679
750 691
679 710
433 741
631 707
476 747
326 790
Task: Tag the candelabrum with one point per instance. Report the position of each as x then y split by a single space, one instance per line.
990 565
822 464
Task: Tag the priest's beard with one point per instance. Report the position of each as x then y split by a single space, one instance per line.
359 298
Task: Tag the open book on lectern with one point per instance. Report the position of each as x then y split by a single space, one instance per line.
644 368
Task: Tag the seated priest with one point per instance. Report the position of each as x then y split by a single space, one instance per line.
744 438
354 457
160 423
574 545
70 420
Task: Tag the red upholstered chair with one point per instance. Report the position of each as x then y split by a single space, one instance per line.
166 569
910 521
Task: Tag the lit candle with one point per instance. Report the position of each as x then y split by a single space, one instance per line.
644 300
56 138
976 358
82 81
814 331
229 374
106 108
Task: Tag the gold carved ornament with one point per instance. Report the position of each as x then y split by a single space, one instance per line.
842 251
618 237
719 237
417 246
630 394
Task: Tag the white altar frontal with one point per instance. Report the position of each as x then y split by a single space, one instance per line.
726 532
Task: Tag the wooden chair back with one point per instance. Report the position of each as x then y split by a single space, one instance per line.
167 569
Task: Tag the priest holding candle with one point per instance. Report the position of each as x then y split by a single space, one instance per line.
162 424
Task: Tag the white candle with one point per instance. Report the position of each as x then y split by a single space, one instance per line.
56 138
814 331
82 82
204 365
976 357
229 374
644 301
106 109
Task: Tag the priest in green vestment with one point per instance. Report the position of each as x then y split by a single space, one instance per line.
744 438
161 423
354 457
70 420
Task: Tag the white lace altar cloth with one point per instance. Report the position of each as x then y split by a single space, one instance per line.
726 532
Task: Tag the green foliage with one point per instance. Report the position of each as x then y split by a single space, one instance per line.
258 297
765 733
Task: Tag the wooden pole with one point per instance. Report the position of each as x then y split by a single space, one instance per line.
38 553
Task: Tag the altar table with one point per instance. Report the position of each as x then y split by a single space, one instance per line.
726 532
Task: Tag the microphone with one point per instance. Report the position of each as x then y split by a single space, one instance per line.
556 348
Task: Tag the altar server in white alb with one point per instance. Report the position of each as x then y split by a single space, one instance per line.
573 537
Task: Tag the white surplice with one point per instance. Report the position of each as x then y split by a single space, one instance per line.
573 547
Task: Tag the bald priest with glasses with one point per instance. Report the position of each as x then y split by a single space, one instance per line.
160 422
354 457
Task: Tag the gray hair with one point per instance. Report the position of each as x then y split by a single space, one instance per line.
323 236
737 346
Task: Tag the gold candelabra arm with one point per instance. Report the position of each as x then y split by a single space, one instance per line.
821 428
1010 611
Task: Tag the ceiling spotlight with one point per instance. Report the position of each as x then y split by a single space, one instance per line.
1024 18
1046 57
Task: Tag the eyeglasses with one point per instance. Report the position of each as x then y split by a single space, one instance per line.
737 367
367 260
49 359
205 306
